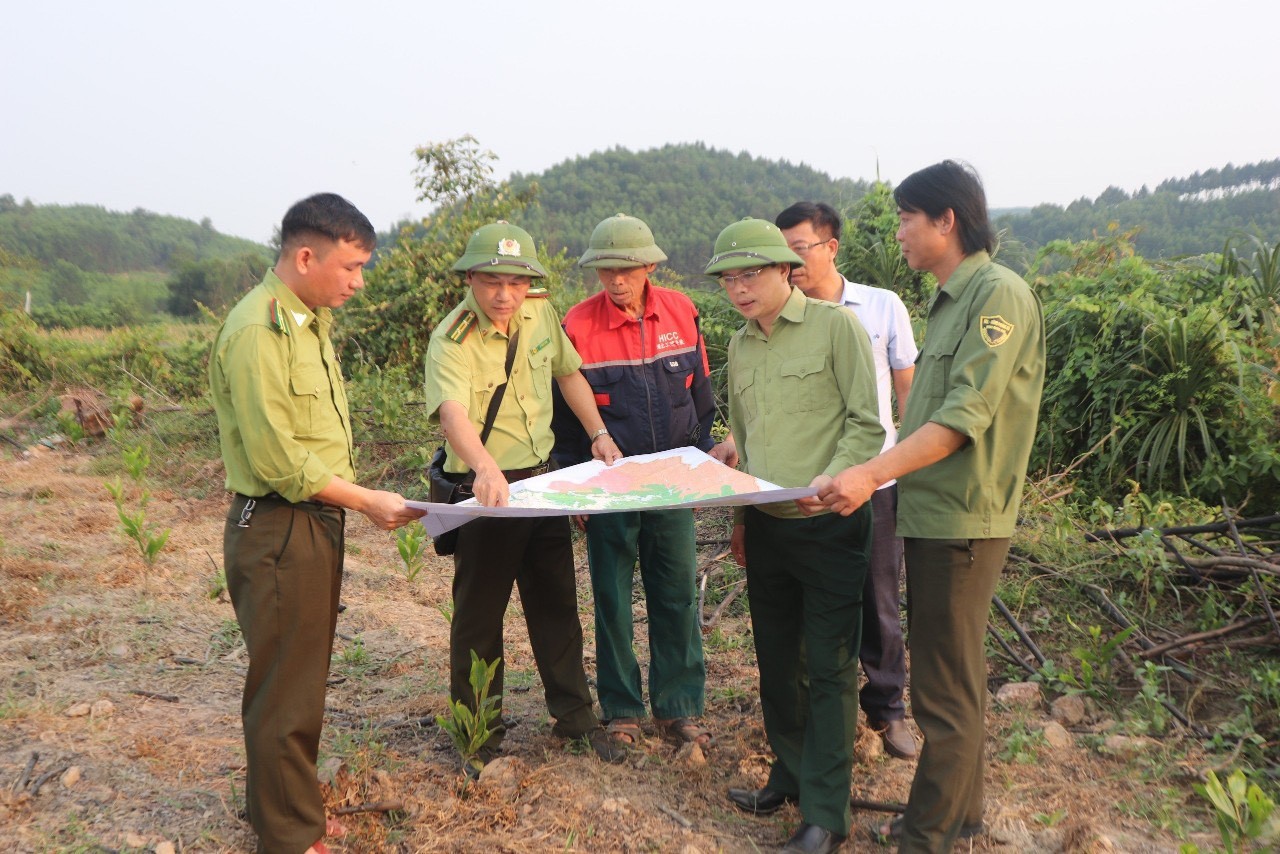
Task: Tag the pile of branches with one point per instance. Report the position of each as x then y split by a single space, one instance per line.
1234 553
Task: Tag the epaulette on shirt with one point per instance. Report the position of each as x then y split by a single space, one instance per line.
462 327
276 316
537 291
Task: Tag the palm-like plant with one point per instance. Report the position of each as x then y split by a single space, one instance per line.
1192 373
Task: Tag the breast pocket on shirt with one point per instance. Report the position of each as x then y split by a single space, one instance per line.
679 374
540 373
744 392
608 387
309 389
486 385
806 383
933 373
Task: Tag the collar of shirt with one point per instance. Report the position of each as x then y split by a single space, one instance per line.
963 275
854 293
485 325
792 312
296 311
617 317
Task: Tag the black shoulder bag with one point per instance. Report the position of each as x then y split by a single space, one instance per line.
445 488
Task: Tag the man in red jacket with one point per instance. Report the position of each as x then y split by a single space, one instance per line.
643 354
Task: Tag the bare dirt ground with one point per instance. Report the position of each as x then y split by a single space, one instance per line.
161 763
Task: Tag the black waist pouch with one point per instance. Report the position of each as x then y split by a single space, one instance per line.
445 488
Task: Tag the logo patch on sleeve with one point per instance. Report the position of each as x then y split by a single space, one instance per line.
995 330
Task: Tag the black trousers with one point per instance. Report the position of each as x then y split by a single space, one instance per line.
284 573
804 580
883 653
535 555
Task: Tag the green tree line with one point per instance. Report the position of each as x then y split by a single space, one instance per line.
97 240
86 266
1181 217
686 193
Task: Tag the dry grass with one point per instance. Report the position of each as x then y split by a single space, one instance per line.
81 621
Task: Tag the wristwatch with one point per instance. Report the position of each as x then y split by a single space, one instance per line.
603 431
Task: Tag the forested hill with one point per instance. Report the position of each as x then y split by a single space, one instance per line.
686 193
1182 216
83 265
97 240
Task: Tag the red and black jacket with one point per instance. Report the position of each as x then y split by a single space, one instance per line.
650 376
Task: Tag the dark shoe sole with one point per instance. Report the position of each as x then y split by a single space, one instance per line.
752 809
967 831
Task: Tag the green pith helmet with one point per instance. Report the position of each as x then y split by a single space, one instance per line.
501 247
621 241
750 243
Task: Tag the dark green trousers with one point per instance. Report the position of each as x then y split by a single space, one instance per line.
284 573
668 565
949 588
804 580
535 555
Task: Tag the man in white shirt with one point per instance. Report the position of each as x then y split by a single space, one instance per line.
813 232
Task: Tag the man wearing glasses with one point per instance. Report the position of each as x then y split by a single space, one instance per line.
813 232
802 404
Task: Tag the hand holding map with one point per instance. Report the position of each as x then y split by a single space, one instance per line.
684 477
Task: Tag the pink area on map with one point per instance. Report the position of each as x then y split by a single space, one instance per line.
708 476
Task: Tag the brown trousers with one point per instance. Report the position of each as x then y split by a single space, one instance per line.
284 573
949 588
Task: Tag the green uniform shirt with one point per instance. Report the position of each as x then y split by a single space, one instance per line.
980 372
279 397
466 360
802 401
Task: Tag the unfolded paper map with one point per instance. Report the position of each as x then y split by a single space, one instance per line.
684 477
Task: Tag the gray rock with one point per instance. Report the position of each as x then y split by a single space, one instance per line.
1025 695
1068 710
1056 735
1125 746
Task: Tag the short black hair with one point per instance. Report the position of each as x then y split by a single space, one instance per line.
327 216
820 215
953 185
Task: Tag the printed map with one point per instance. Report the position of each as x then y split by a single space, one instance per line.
684 477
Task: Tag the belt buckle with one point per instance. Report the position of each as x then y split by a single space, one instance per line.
246 513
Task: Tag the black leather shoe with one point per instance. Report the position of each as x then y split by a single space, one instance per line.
759 801
811 839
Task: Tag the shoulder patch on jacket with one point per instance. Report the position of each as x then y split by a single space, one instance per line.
536 292
462 327
995 330
275 315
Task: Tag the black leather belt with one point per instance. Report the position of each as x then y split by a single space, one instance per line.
277 498
512 475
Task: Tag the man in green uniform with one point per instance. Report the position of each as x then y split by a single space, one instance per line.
960 462
802 407
466 364
286 443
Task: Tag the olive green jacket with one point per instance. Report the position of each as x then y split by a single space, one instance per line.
802 400
980 372
278 394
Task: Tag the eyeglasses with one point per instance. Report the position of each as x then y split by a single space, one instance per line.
803 248
746 277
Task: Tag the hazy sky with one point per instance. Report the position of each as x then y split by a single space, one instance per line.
234 110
